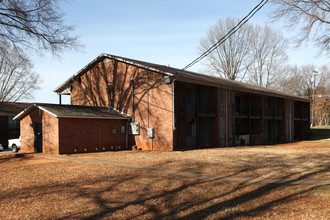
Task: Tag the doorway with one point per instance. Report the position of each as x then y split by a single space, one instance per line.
38 137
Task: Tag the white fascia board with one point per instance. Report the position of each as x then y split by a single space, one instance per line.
120 112
49 112
24 111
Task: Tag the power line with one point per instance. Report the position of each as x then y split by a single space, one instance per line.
228 35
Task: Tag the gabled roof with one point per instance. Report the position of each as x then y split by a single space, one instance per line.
180 75
12 108
75 111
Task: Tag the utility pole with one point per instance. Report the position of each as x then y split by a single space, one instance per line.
313 111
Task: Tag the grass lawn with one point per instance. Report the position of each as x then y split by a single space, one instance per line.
35 187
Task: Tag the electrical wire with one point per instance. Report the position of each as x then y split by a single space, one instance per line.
229 34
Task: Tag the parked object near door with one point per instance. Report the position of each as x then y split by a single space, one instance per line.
14 144
1 147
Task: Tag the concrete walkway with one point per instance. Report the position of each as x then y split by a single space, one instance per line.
187 174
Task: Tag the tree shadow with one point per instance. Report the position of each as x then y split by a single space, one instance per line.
164 196
109 83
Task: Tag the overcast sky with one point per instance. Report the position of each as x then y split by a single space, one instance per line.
166 32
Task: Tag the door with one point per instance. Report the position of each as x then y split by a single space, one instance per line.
38 137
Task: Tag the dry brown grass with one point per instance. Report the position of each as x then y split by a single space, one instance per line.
272 161
33 187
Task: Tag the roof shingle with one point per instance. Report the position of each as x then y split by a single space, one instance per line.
75 111
12 108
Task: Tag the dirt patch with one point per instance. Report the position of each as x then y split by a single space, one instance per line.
40 188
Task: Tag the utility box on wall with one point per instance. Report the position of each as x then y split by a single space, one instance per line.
135 128
151 133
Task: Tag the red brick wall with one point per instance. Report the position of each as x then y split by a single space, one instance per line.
90 135
90 90
50 134
27 131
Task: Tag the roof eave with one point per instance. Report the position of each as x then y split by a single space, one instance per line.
24 112
62 89
137 64
66 84
91 117
249 90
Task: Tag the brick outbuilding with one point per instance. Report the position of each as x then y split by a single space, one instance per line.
61 129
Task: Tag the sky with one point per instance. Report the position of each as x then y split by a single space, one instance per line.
165 32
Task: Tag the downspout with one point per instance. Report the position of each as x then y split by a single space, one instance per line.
126 136
147 99
132 83
152 140
174 128
109 89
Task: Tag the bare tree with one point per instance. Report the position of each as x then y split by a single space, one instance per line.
322 98
17 80
253 51
268 50
231 59
35 24
312 16
299 80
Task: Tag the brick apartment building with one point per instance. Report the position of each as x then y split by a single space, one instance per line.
166 109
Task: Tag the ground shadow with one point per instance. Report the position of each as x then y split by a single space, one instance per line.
144 194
